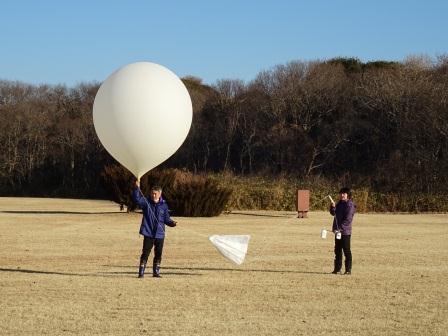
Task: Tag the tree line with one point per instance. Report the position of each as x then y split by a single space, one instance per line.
378 124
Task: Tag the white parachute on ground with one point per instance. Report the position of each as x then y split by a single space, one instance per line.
232 247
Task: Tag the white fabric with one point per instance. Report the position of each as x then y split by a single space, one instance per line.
232 247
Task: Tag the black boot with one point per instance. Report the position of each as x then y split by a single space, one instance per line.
156 270
348 266
141 270
337 267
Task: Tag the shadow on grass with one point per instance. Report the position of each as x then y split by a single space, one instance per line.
51 212
99 274
258 214
218 269
168 270
148 272
19 270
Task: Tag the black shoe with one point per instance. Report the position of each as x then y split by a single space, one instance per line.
156 270
348 273
336 272
141 270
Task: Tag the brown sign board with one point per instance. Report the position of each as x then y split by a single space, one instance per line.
303 203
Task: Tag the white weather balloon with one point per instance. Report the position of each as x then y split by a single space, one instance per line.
142 114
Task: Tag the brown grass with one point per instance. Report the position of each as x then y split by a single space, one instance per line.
68 267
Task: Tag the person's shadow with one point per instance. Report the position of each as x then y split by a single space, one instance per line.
20 270
96 274
168 270
180 270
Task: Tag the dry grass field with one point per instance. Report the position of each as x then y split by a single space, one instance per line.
69 267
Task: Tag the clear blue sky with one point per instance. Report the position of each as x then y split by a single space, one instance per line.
73 41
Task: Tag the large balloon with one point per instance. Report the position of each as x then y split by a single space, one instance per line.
142 114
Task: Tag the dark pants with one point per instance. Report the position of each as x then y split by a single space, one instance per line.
148 243
340 245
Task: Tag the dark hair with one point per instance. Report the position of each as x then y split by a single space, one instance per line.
347 191
156 188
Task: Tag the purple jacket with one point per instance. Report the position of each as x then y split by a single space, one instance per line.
343 216
155 215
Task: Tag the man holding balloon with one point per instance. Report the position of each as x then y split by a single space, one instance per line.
134 99
155 217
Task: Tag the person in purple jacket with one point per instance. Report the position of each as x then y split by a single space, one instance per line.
343 213
155 216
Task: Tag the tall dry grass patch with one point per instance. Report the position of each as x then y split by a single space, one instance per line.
279 193
187 194
209 194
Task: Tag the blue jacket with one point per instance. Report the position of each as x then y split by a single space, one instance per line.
155 215
343 216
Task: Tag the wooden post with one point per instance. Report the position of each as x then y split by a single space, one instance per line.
303 203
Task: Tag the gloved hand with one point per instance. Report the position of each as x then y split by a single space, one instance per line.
172 224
